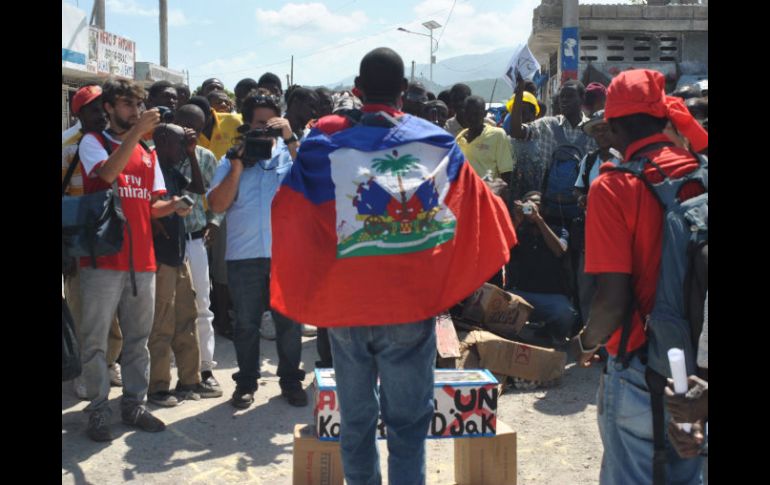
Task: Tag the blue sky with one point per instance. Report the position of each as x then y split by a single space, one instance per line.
234 39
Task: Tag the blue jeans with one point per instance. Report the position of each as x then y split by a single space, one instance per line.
554 309
403 357
249 283
625 426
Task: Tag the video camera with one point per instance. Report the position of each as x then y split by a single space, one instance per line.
256 145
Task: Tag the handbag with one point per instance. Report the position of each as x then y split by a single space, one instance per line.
93 224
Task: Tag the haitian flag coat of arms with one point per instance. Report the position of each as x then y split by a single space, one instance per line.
379 225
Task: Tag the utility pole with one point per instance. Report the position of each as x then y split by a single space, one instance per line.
292 71
569 48
97 14
412 71
163 33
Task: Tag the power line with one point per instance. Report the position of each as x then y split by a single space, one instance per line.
446 22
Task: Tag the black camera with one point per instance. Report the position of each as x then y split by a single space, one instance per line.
257 145
166 115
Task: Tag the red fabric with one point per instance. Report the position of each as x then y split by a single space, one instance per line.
331 292
623 228
135 184
331 124
83 96
643 91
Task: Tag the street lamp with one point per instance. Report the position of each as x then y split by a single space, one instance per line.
431 25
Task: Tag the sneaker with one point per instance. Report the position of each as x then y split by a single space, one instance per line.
309 330
141 418
202 390
187 393
295 395
116 378
98 427
267 330
163 398
242 398
208 380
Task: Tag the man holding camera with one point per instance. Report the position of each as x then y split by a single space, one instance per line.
244 185
174 326
118 155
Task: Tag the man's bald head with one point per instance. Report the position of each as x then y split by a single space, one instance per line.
191 116
169 143
381 75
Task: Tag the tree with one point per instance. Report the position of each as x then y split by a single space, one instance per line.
397 166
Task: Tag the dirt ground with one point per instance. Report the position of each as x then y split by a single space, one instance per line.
209 441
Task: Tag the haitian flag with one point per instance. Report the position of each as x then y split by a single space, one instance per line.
377 225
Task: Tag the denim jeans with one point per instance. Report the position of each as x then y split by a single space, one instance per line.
553 309
103 292
403 357
249 283
625 426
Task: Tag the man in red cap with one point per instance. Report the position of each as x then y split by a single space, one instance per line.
623 248
87 106
596 96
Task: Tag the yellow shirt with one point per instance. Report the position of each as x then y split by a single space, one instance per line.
223 134
491 150
69 148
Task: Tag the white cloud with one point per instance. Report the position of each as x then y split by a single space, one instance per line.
176 17
310 18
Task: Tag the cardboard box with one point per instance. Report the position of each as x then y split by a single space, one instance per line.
487 461
464 403
315 462
515 359
498 310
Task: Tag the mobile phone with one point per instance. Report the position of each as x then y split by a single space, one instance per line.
184 202
526 208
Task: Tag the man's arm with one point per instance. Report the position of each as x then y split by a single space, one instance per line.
222 195
557 246
163 208
610 307
516 130
196 185
116 162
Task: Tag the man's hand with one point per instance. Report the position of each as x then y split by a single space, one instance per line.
210 234
687 445
582 200
584 359
691 406
190 141
497 186
281 124
147 121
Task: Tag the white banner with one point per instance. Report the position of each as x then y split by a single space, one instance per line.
111 54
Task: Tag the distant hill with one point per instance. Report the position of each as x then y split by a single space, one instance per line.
478 71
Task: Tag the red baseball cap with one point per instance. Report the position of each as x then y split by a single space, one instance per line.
83 96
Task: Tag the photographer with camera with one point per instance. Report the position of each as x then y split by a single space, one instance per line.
244 186
536 271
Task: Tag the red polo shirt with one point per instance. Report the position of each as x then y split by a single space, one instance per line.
624 227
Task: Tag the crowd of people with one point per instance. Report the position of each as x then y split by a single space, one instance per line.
230 231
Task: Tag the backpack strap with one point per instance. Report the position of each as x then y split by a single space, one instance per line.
656 383
591 159
119 212
71 170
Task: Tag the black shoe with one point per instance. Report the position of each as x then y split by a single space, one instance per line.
209 381
98 428
141 418
242 398
295 395
163 398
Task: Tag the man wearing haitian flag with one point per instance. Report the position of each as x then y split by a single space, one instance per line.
380 225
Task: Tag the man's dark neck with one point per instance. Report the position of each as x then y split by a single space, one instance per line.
209 128
574 118
474 132
604 153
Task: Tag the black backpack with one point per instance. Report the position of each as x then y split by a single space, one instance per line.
559 197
